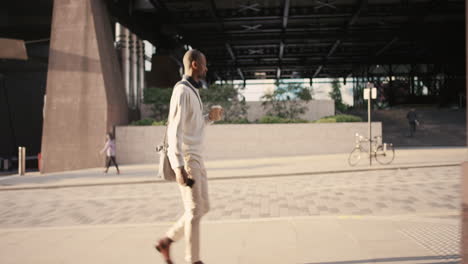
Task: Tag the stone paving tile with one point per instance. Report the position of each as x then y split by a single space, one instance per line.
409 191
442 239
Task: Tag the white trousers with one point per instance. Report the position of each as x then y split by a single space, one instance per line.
196 204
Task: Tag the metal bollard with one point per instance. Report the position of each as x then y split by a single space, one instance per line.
21 160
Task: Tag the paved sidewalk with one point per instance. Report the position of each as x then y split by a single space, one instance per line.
248 168
398 216
307 240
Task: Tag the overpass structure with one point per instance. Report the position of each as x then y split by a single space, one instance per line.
415 43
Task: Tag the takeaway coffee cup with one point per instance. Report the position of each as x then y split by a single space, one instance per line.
216 112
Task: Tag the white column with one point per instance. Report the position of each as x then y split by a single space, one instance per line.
141 79
133 70
122 38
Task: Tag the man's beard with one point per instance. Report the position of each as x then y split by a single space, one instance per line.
202 76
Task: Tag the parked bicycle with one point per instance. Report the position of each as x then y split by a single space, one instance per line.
384 153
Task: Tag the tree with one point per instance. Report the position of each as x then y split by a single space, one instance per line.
159 98
225 95
335 95
229 98
287 100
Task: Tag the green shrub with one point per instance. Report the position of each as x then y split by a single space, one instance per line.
234 121
339 119
326 120
279 120
143 122
148 122
159 123
348 118
159 98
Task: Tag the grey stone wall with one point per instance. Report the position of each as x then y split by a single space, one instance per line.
137 144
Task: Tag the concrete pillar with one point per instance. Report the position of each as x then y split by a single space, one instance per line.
119 39
141 75
85 93
133 70
124 44
127 46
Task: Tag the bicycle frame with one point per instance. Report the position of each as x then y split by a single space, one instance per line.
374 144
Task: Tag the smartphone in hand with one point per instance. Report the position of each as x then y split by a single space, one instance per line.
190 182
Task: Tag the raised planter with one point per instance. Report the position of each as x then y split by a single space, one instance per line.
136 145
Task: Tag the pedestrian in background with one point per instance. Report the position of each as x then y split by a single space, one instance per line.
109 148
413 121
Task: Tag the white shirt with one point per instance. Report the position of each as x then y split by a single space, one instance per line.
109 148
186 128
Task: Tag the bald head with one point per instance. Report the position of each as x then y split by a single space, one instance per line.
195 64
190 56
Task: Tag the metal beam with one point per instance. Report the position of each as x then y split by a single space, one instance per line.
388 45
321 3
337 63
286 13
308 37
158 4
219 25
286 8
291 56
317 71
281 50
308 14
241 74
342 47
362 4
251 7
333 48
231 53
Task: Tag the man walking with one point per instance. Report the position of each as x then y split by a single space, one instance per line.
412 120
186 125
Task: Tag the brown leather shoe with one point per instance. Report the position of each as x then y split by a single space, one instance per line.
163 247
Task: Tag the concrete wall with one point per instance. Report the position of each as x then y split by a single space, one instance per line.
316 110
137 144
85 92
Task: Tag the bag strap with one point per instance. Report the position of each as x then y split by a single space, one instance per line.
193 89
186 83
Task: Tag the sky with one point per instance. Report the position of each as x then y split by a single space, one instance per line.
255 89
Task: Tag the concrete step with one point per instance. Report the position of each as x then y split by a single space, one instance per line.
438 127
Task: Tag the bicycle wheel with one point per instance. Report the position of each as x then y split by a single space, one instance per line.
354 157
385 156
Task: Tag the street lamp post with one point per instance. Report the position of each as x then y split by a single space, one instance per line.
370 93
